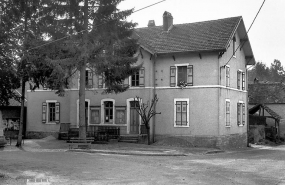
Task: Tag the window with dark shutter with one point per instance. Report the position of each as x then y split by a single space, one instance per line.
172 76
141 75
57 112
243 81
238 114
190 75
44 111
100 81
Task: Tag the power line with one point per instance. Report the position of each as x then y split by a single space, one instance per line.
242 43
93 27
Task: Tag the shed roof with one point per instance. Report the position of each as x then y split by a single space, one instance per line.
270 111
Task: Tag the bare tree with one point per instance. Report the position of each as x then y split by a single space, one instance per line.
146 112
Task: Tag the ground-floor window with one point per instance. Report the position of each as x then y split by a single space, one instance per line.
50 111
228 113
181 112
108 107
240 113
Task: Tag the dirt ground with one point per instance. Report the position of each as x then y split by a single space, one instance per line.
49 159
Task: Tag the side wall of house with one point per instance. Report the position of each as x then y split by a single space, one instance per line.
233 134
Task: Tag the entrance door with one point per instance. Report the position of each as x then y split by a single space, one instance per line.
134 117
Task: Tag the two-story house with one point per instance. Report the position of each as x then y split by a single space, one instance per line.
197 70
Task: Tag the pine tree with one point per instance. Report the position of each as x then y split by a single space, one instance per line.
99 37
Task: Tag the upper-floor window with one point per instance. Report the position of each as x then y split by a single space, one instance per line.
137 79
89 79
227 76
238 79
181 74
243 80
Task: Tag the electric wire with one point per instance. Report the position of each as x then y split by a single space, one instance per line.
242 43
87 29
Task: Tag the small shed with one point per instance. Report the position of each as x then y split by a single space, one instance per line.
258 111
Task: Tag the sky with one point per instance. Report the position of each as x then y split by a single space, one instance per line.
266 36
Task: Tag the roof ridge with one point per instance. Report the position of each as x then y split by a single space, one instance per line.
193 22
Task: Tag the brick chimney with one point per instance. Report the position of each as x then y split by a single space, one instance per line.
151 23
167 21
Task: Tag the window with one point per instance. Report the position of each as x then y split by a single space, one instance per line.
95 115
228 118
238 79
227 76
108 116
89 79
120 115
181 112
50 111
182 73
240 114
243 80
137 79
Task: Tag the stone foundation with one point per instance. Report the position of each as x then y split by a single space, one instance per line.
221 142
40 135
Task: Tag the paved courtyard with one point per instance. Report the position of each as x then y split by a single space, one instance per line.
52 161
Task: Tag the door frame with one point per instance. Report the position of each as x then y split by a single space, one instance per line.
129 115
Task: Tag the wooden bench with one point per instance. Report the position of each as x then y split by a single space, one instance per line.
80 143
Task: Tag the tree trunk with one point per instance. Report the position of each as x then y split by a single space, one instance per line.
19 141
82 117
148 136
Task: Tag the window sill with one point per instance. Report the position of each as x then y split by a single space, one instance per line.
228 126
51 123
240 125
181 126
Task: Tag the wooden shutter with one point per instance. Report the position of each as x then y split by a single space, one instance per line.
243 113
141 75
44 112
243 80
100 81
238 79
57 112
190 75
172 76
238 114
227 76
126 82
90 79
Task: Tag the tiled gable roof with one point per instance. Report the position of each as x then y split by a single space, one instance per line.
261 93
211 35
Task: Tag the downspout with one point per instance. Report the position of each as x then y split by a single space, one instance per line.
154 92
247 109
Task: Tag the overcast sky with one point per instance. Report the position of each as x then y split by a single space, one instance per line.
267 35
